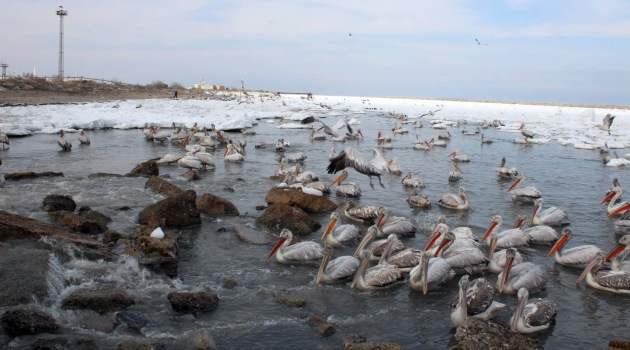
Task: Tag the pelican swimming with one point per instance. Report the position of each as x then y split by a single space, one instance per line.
205 158
444 136
378 277
408 181
612 199
604 279
578 256
430 273
190 162
83 138
525 195
63 142
531 315
316 136
376 247
453 201
4 140
338 269
364 213
464 237
617 255
295 157
398 225
524 275
497 260
350 189
622 225
231 155
418 200
551 216
405 259
541 234
505 173
463 258
474 299
349 157
459 157
485 139
340 235
514 237
305 252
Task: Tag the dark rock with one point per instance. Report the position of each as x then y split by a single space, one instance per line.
477 334
216 206
193 301
358 342
163 265
295 197
199 339
76 222
147 168
101 301
134 344
30 175
261 207
158 184
279 216
167 246
20 283
191 175
290 301
99 175
177 211
111 236
619 344
56 202
51 343
97 216
28 320
132 319
321 325
229 283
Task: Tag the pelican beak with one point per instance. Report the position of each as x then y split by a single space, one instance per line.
490 229
588 269
359 272
329 229
369 236
534 214
432 241
519 223
425 279
457 168
518 181
428 145
226 152
620 210
185 142
609 197
338 180
390 162
275 249
361 134
379 222
558 244
452 154
518 313
493 247
506 273
444 244
521 127
615 251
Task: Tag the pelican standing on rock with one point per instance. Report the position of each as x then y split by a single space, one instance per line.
457 202
63 142
349 157
338 269
476 300
531 315
305 252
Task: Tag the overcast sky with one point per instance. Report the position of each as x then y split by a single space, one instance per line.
538 50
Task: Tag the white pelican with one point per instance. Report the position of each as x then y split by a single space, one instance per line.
341 235
430 273
349 157
454 175
499 259
295 157
83 138
463 258
364 213
457 202
418 200
505 173
408 181
438 143
444 136
280 145
486 140
168 159
338 269
63 142
378 277
514 237
541 234
405 259
327 129
316 136
205 158
381 138
190 162
305 252
4 140
459 157
578 256
474 299
612 199
524 195
463 235
376 247
622 225
606 123
351 189
617 255
531 315
551 216
603 279
523 275
394 224
231 155
394 168
260 144
527 134
622 209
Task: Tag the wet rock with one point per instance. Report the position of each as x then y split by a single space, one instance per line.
163 265
191 175
290 301
215 206
97 216
177 211
619 344
193 301
252 236
57 202
132 320
21 283
229 283
477 334
358 342
100 175
295 197
321 325
199 339
160 185
101 301
28 320
51 343
30 175
167 246
279 216
134 344
76 222
147 168
111 236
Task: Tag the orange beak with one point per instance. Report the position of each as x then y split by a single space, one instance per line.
360 133
380 221
490 229
608 198
615 251
518 181
452 154
432 241
275 249
620 210
338 180
329 229
557 246
444 244
519 223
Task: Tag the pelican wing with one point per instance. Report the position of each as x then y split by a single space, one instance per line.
304 251
451 200
439 271
541 234
614 279
342 267
406 258
382 275
367 213
398 225
580 256
309 120
378 162
539 312
553 216
347 232
464 257
607 121
529 191
349 157
527 275
350 190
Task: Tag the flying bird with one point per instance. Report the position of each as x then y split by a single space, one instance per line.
478 43
607 123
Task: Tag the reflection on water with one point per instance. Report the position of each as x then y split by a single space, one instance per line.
248 315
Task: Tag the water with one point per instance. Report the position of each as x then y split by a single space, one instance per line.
248 315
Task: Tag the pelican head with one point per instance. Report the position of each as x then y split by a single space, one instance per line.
453 154
285 235
382 215
597 261
496 221
624 244
440 230
565 236
343 176
463 282
334 217
510 254
523 298
449 238
407 177
538 204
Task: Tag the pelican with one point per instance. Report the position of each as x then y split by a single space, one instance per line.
418 200
514 237
474 299
499 259
578 256
463 235
351 189
260 144
349 157
527 134
408 181
190 162
612 199
383 138
295 157
316 136
438 143
376 247
430 273
622 225
525 195
168 159
280 145
551 216
339 269
394 224
4 140
381 276
394 168
453 201
305 252
505 173
83 138
337 237
463 258
205 158
607 123
444 136
459 157
365 213
617 255
453 175
541 234
231 155
622 209
405 259
523 275
63 142
604 279
531 315
327 130
486 140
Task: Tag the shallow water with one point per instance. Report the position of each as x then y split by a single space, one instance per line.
248 316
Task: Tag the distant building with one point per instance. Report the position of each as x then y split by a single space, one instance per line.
205 86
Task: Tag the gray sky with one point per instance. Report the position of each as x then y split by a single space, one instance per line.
546 51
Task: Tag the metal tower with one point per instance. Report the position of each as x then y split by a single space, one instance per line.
61 13
4 69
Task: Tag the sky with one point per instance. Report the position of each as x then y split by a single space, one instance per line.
563 51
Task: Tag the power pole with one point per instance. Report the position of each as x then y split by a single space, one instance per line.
61 13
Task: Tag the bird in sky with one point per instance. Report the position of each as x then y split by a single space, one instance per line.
478 43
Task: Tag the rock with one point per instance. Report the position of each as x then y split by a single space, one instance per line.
160 185
477 334
51 343
177 211
76 222
619 344
295 197
132 319
163 265
321 325
30 175
111 236
21 282
28 320
147 168
56 202
229 283
193 301
216 206
199 339
134 344
279 216
357 342
291 302
101 300
97 216
191 175
100 175
167 246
